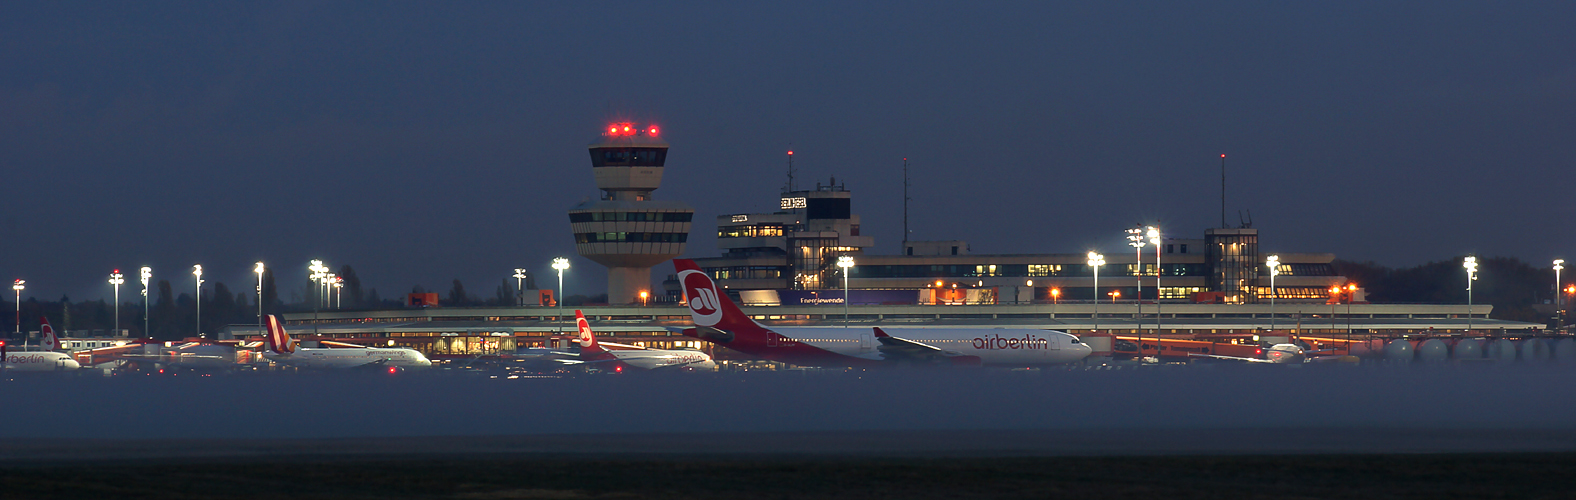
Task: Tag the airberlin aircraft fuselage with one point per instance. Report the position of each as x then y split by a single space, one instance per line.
858 346
720 321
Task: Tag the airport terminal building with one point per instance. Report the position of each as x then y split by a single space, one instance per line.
783 268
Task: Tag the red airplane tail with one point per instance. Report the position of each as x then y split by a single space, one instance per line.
716 317
50 341
275 339
589 348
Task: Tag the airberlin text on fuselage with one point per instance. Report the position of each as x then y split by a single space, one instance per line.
998 342
29 358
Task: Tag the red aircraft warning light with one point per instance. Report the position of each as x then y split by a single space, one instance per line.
628 128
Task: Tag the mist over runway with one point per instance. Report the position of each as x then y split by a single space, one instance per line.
1194 409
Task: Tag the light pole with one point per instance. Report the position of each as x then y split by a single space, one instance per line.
1154 239
1273 262
147 274
259 270
519 287
1095 261
1559 322
1470 263
18 286
339 298
1351 296
116 279
328 285
560 264
845 262
1335 294
1135 238
197 273
319 271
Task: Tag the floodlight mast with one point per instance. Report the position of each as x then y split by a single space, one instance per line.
197 273
1095 261
1471 265
259 270
1559 321
1154 239
519 287
116 279
845 262
1135 238
560 264
18 286
147 274
319 272
1273 262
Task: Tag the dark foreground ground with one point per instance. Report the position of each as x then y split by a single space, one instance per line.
503 477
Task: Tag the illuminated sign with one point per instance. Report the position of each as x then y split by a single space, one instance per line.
788 203
741 218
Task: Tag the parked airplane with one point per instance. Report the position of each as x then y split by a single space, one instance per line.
1283 354
45 360
592 351
280 348
719 320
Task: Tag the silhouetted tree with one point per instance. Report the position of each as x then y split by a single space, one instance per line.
457 295
352 290
373 300
270 296
164 313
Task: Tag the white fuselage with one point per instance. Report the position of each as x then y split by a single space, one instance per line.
351 357
994 346
647 359
40 361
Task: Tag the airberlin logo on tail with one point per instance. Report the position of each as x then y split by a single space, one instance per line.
705 306
585 332
1000 343
50 343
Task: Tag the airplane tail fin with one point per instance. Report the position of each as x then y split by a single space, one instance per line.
712 310
588 344
276 340
50 342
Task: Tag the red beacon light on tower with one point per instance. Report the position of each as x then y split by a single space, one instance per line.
628 129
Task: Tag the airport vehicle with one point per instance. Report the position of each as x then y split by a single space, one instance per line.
719 320
280 348
45 360
593 351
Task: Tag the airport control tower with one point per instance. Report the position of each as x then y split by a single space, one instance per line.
626 230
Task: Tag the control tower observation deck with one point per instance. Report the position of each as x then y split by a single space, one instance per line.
626 230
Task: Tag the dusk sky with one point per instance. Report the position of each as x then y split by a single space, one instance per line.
424 142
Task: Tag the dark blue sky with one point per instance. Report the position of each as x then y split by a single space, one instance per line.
423 142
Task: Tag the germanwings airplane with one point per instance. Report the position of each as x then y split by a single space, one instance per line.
280 348
45 360
720 321
643 358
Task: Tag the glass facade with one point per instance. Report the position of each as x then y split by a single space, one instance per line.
631 237
628 157
1233 259
631 217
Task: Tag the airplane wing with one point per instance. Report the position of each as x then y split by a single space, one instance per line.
1233 358
905 350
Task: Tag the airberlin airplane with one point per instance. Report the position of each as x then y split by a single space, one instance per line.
593 351
720 321
45 360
